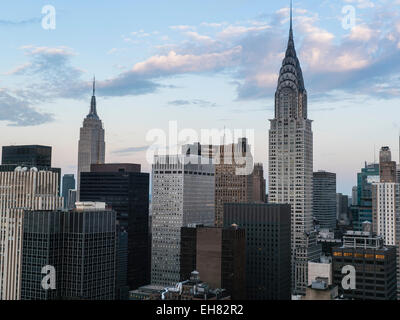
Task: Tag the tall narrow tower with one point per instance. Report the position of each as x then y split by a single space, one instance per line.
291 162
91 148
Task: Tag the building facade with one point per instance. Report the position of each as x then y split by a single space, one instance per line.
91 148
374 263
387 167
234 176
30 155
363 210
218 254
80 244
386 217
291 160
324 199
68 183
268 248
21 190
183 193
259 184
126 189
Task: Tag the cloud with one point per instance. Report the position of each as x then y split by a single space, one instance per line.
17 23
182 27
362 4
131 150
364 61
18 111
175 63
196 102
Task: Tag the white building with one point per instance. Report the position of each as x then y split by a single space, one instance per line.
91 149
386 217
20 191
182 193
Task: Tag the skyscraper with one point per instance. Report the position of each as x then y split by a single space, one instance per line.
126 189
219 254
31 155
68 183
291 159
27 157
267 231
91 147
259 191
363 210
324 199
183 193
20 191
387 167
386 205
233 181
374 263
80 244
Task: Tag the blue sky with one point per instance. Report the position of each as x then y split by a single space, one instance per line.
205 64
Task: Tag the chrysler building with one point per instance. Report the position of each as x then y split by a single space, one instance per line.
291 163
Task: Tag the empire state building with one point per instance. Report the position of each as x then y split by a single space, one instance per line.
91 148
291 163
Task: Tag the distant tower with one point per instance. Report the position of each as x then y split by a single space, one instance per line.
91 143
387 167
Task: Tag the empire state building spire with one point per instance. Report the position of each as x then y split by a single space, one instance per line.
93 112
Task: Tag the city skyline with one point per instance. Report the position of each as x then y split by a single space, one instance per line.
222 63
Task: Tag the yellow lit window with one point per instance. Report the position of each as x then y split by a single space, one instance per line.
380 256
370 256
358 255
348 254
337 254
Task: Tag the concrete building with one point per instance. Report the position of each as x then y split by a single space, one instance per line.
68 183
374 263
91 149
218 254
183 193
291 160
320 290
324 199
21 190
387 167
267 227
320 269
234 178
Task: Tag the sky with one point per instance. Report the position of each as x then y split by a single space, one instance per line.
204 64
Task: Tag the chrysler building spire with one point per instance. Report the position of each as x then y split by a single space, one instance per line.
291 162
